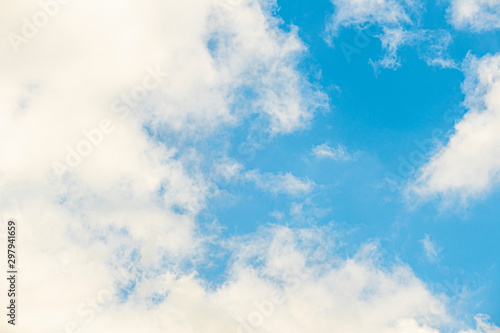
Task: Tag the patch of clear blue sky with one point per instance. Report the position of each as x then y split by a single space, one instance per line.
384 116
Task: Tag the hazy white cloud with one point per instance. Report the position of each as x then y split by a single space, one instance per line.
469 164
430 250
285 183
338 154
228 169
475 15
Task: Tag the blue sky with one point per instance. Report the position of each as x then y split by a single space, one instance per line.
384 116
256 142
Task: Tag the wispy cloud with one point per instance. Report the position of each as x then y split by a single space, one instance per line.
339 153
430 249
285 183
398 25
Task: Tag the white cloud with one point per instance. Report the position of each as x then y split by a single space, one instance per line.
469 165
483 326
132 199
280 279
430 250
228 169
338 154
285 183
475 15
433 46
397 21
392 16
133 202
391 12
91 59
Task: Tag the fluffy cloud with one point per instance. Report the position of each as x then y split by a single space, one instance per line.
476 15
279 279
469 165
70 68
85 86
